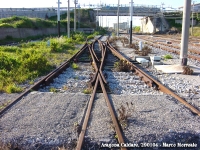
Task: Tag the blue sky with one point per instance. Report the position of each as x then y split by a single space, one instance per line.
50 3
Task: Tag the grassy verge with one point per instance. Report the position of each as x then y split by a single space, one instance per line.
27 61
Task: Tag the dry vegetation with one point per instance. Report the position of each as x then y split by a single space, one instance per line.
187 70
125 112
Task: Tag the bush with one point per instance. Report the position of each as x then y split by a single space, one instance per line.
89 37
7 62
168 56
11 49
122 65
136 29
35 62
87 91
5 25
30 60
72 52
25 23
54 47
13 88
79 37
74 66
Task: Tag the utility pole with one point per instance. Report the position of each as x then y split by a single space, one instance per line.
79 17
68 20
75 2
118 19
185 32
192 19
131 14
58 18
97 20
102 20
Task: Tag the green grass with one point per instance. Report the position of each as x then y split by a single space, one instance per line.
87 91
74 65
13 88
168 56
27 61
196 31
52 89
25 22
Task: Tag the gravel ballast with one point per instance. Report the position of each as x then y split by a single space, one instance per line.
41 119
46 120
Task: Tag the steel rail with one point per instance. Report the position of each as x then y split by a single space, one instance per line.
154 83
97 68
112 113
163 46
87 116
93 52
111 110
65 65
143 76
42 81
102 61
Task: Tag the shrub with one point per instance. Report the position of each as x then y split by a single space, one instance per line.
25 23
187 70
9 49
87 91
52 89
5 25
168 56
74 65
7 62
79 37
136 29
35 62
125 112
89 37
72 52
123 65
13 88
54 47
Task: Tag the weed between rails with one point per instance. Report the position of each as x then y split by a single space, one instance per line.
2 106
75 66
187 70
168 56
87 91
123 65
125 112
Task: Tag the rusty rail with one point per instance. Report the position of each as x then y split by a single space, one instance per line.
44 80
166 48
98 80
154 83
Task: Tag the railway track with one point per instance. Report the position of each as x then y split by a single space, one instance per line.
174 47
97 79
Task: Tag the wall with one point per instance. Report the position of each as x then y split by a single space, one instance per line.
31 14
152 25
26 32
146 25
